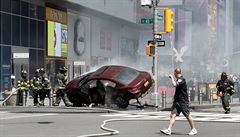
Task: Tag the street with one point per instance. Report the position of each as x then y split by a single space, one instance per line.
133 123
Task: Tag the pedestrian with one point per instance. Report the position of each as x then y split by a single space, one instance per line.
225 89
61 82
45 87
35 83
23 88
180 103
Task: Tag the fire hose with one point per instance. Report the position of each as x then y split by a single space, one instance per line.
111 132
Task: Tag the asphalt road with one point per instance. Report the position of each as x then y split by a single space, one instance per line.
209 124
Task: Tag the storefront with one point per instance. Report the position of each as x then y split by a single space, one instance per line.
22 40
57 41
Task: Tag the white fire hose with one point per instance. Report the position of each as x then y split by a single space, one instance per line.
113 131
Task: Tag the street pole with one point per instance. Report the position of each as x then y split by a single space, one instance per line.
155 58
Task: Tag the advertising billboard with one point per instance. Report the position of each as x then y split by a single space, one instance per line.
57 39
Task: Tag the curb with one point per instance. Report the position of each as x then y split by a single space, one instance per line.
20 109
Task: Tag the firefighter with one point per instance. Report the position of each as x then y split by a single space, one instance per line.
36 87
225 89
23 88
45 86
61 82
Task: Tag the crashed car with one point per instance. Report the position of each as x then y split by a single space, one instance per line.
109 85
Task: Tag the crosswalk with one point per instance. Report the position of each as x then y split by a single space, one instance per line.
164 115
5 115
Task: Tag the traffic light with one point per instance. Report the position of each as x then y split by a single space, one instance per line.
150 49
168 21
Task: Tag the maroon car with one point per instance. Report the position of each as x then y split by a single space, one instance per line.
108 85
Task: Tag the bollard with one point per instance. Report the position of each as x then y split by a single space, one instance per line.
53 96
163 99
200 98
231 99
24 98
211 96
189 95
50 98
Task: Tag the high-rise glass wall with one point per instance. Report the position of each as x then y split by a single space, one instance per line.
22 39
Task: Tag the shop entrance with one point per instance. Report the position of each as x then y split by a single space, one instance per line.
20 61
52 68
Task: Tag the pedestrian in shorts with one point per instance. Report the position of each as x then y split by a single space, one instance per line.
180 103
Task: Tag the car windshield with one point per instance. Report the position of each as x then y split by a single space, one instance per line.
127 75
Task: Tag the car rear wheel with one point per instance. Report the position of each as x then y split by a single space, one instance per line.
121 102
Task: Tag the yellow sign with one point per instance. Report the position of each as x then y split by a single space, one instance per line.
56 15
212 88
57 39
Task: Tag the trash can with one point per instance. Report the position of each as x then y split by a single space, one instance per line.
12 100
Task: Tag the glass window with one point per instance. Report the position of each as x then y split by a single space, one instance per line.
127 75
24 8
24 32
6 29
0 70
0 27
40 13
32 61
33 11
33 33
41 37
16 30
6 5
6 68
16 7
41 58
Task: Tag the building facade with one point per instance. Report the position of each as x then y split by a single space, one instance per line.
50 34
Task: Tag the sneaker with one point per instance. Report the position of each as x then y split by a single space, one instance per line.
193 132
166 131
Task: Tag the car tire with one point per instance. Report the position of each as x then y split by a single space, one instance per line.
121 102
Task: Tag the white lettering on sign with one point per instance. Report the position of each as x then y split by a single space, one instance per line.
20 55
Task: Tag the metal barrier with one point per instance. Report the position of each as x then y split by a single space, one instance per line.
164 99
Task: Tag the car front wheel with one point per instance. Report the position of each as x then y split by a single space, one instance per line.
121 102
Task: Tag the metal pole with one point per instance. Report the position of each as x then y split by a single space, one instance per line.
211 96
50 98
189 95
155 58
231 99
164 99
200 97
24 98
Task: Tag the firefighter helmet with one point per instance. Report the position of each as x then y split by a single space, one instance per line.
24 74
63 70
223 76
42 70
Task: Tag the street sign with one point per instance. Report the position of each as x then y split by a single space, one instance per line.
159 20
161 43
146 21
158 36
